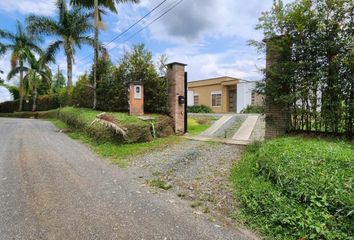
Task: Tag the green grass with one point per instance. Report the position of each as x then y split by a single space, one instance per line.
88 115
296 188
119 154
197 126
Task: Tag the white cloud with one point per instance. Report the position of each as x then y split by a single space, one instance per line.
208 65
42 7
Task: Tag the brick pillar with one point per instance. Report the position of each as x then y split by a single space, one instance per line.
176 90
277 115
136 100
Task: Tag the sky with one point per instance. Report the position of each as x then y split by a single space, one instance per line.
210 36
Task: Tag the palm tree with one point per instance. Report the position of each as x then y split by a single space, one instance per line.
22 43
71 27
110 4
37 73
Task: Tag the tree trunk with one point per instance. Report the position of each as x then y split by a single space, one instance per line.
35 94
70 68
95 57
20 106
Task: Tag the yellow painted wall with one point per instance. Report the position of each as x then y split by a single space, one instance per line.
205 95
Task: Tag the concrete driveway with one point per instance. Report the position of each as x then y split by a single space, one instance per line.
52 187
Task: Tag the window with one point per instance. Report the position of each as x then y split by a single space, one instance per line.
196 99
216 99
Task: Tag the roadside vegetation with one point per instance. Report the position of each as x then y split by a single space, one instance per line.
118 154
197 125
199 109
297 188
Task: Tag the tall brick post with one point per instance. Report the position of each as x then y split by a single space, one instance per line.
177 95
136 99
277 114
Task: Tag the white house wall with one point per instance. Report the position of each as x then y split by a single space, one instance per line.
244 95
190 98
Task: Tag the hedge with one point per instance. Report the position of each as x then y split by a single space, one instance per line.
44 103
137 130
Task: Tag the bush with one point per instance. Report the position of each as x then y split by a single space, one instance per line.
199 109
137 130
253 109
44 103
295 188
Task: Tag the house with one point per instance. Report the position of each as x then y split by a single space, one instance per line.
223 94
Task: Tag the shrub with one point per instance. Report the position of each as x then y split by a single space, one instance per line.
295 188
253 109
82 95
199 109
44 103
137 130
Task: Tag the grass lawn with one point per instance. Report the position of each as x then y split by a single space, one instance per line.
297 188
119 154
88 115
197 125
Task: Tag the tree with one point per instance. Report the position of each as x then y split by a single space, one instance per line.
316 39
58 81
110 4
137 66
21 45
70 27
37 74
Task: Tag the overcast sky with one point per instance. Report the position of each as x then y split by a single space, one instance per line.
209 35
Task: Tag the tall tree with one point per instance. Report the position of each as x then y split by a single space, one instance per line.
21 45
111 5
71 27
38 73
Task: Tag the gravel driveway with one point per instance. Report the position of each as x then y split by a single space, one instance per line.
52 187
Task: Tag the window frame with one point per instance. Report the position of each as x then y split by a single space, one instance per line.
216 93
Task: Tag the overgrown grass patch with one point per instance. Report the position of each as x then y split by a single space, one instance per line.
296 188
118 154
198 125
137 129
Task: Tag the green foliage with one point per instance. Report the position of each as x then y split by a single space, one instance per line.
312 75
44 103
253 109
58 82
137 130
51 114
295 188
82 93
137 66
113 83
198 125
199 109
71 29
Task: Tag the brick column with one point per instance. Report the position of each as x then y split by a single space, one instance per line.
176 89
277 115
136 99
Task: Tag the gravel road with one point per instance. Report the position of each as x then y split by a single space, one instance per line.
52 187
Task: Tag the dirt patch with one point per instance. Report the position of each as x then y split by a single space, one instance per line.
197 172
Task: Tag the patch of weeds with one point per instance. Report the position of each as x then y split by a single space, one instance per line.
206 209
208 197
156 174
182 195
196 204
159 183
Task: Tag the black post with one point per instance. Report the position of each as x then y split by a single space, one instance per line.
185 102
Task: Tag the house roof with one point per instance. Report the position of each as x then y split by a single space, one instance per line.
225 80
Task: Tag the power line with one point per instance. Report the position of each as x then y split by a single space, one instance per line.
153 21
129 28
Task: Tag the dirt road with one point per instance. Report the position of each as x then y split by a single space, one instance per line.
52 187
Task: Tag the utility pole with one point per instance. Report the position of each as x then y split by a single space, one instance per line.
96 55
